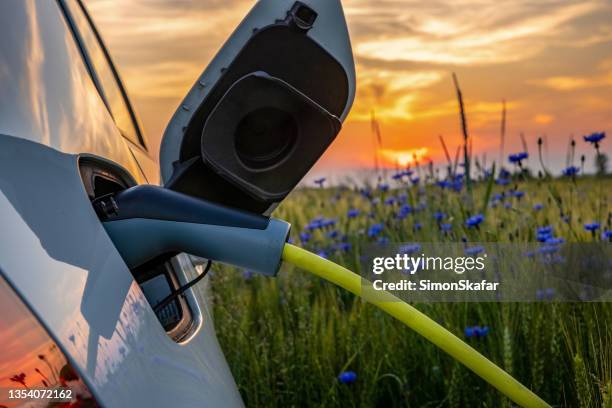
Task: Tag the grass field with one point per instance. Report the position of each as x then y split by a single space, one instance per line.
287 339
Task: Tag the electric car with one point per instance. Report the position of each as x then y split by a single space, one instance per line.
80 325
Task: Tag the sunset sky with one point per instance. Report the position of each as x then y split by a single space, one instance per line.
551 60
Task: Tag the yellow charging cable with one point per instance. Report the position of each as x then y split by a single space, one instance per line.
417 321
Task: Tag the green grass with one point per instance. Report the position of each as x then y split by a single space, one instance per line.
287 339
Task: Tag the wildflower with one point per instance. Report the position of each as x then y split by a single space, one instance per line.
352 213
415 180
418 226
409 249
518 194
475 220
390 201
595 138
322 253
544 233
374 230
383 187
503 173
347 377
593 226
365 193
475 250
554 241
402 198
315 223
484 330
439 216
517 158
344 246
443 184
404 211
328 223
507 205
247 275
538 207
332 234
502 181
570 171
397 176
457 185
305 237
607 235
476 331
320 181
382 240
446 227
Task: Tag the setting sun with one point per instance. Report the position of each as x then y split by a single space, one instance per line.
403 158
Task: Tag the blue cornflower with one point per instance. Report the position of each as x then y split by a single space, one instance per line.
382 240
415 180
347 377
443 184
365 193
439 216
409 249
544 233
247 275
402 198
507 205
538 207
554 241
383 187
305 237
502 181
475 250
374 230
404 211
408 173
570 171
320 181
329 223
545 294
503 173
457 185
475 220
352 213
344 246
607 235
544 230
446 227
595 137
593 226
518 157
332 234
518 194
418 226
322 253
390 201
397 176
484 330
476 331
315 223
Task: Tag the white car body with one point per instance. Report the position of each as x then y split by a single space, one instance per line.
54 252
